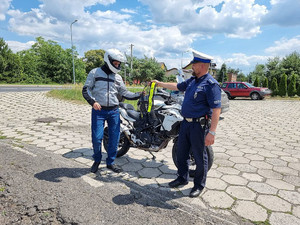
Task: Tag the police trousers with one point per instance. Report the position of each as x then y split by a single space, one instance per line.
191 139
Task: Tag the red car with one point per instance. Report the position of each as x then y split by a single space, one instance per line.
244 89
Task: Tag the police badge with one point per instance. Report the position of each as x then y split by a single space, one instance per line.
195 95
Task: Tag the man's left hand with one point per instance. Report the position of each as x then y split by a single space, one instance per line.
209 139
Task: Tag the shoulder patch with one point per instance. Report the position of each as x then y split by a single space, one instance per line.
211 81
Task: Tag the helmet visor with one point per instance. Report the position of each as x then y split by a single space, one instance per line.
114 63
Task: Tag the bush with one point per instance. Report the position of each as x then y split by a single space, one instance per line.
283 85
266 82
274 87
298 90
292 86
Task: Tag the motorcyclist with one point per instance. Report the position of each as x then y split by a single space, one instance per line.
102 90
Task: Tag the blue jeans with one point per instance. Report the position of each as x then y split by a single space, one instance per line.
113 122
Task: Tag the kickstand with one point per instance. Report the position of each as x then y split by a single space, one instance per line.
153 156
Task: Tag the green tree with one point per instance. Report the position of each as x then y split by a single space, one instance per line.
283 85
222 73
144 70
274 87
171 78
29 61
298 90
54 63
292 86
259 72
150 69
10 65
265 82
290 64
93 59
51 63
256 82
241 77
273 68
232 70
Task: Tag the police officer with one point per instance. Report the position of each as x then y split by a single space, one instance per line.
201 106
102 90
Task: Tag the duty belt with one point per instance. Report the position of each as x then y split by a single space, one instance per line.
202 120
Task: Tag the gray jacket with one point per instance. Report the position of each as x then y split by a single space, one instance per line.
106 88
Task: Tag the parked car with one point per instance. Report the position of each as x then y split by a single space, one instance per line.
244 89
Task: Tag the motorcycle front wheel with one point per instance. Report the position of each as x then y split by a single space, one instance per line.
210 157
123 145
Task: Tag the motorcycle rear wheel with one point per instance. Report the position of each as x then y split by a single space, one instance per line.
123 145
210 157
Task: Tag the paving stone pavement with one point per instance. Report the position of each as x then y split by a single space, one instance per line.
255 175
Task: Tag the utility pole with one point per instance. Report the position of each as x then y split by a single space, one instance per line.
73 51
125 65
131 45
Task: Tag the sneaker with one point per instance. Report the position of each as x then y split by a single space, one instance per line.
115 168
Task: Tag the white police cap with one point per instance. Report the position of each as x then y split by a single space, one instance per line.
201 57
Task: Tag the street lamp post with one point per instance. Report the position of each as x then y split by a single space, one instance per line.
73 51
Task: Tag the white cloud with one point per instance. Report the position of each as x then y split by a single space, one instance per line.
283 13
112 15
128 11
284 47
99 30
16 46
236 18
241 59
68 10
4 6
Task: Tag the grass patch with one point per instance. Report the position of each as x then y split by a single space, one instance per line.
2 137
18 145
75 94
2 189
261 222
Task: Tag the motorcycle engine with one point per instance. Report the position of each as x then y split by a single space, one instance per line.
146 139
148 131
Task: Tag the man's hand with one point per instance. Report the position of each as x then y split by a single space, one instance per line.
155 81
209 139
97 106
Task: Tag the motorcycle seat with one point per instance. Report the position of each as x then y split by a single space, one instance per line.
126 106
130 110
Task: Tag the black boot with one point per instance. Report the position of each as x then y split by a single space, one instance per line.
94 167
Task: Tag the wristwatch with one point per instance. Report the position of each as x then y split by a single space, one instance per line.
212 132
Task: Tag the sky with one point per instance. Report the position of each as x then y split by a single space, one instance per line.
239 33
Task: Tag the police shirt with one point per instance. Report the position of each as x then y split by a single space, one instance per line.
201 96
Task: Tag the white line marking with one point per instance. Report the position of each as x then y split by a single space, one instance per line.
24 151
91 181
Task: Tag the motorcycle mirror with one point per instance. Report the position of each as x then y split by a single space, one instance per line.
180 76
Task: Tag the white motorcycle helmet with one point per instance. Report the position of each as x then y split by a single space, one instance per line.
114 55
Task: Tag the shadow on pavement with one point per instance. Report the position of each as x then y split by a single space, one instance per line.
144 195
55 175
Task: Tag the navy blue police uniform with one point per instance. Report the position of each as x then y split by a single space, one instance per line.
201 96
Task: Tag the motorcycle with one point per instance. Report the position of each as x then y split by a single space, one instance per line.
152 130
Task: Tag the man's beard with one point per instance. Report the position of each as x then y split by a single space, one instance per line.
194 74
